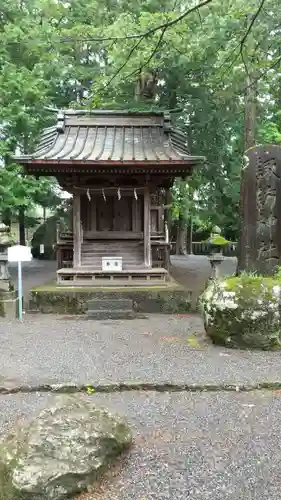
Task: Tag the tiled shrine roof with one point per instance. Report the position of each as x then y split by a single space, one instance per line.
111 137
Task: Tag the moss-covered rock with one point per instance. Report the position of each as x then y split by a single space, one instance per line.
61 452
45 235
243 312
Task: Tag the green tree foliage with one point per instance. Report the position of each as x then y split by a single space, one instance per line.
90 53
202 64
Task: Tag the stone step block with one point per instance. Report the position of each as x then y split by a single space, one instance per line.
99 314
110 304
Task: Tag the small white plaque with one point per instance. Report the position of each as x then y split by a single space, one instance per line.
112 264
19 253
41 248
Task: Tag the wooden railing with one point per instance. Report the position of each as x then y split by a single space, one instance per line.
64 236
203 248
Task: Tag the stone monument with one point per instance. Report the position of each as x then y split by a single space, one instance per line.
259 245
8 300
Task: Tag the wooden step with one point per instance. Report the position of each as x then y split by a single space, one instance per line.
139 258
98 264
108 245
98 261
131 253
125 267
124 257
96 267
89 276
112 251
111 245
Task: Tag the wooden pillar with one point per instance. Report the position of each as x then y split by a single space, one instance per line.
77 236
146 228
168 228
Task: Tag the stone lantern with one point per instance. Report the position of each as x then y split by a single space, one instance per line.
8 300
5 241
216 242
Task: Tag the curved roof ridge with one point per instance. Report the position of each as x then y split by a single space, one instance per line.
99 136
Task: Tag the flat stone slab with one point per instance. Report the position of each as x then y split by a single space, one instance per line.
162 349
219 446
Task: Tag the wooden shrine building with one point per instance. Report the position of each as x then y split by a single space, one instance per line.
119 166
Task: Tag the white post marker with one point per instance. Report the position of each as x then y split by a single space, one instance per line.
19 254
20 289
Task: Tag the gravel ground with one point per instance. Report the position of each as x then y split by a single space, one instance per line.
160 349
34 273
192 271
202 445
217 446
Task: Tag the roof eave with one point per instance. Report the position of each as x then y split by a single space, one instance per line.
118 112
40 161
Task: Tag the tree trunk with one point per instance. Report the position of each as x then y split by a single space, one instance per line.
7 218
250 112
181 236
21 220
245 234
182 220
190 234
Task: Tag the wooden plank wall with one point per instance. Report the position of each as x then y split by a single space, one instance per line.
112 214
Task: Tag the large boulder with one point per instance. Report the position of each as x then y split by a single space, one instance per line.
243 312
45 234
62 452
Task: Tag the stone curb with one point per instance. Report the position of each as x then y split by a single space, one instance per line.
130 387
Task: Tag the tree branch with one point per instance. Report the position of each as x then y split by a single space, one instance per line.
131 53
241 44
149 32
248 31
263 73
139 70
253 20
124 64
244 63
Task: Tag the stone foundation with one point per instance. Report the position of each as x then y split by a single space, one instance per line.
8 305
69 300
